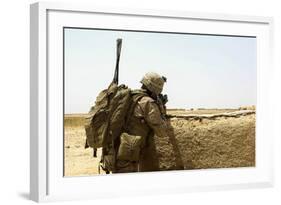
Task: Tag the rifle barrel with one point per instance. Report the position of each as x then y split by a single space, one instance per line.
118 52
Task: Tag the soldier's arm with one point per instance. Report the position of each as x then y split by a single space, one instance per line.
154 119
163 146
153 116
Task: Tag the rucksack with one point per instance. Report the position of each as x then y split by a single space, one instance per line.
106 121
106 118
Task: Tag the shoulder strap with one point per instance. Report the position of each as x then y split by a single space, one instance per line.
136 99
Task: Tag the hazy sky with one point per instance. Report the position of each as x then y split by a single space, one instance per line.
202 70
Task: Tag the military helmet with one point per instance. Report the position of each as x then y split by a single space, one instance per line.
153 82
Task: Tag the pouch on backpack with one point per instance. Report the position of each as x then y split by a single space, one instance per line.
130 146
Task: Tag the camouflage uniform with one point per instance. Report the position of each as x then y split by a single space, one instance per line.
146 120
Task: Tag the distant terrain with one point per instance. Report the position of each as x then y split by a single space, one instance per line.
199 139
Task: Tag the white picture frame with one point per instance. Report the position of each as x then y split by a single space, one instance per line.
46 180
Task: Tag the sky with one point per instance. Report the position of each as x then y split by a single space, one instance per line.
203 71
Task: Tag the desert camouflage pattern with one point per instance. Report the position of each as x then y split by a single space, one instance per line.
147 121
154 82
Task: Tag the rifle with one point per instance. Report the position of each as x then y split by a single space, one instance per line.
161 101
163 98
115 79
118 52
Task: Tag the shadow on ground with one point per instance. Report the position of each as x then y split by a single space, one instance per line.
24 195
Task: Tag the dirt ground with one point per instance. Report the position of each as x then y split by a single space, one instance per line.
219 142
78 161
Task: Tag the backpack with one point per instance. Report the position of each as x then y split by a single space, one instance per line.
107 120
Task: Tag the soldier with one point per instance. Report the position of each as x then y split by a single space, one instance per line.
146 119
131 128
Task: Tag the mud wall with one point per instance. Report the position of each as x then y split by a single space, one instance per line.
200 142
